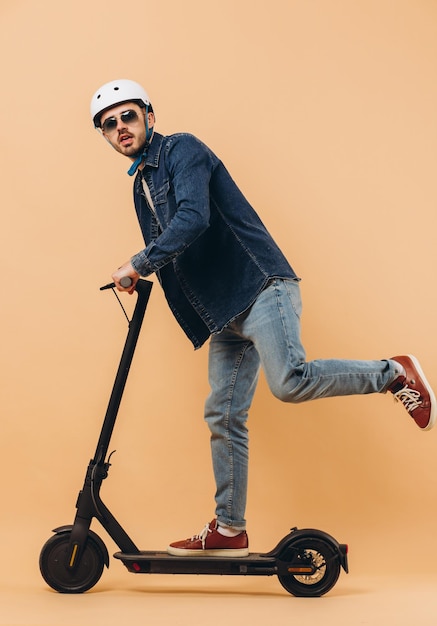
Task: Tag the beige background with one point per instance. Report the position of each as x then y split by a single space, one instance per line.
325 113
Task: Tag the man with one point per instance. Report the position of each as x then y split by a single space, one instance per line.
225 278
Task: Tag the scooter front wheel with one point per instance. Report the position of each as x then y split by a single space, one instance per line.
317 555
55 572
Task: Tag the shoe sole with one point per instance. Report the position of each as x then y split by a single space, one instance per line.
232 552
432 398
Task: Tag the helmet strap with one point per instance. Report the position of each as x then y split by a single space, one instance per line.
141 156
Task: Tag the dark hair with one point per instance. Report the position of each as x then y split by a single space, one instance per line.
142 105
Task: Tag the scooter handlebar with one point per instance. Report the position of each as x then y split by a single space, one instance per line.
143 287
125 282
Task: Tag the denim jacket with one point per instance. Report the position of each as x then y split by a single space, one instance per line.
206 244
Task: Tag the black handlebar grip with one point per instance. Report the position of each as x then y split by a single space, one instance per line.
125 281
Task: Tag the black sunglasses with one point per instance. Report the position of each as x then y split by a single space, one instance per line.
127 117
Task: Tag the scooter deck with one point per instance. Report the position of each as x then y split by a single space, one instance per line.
150 562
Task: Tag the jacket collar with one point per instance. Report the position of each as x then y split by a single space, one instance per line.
154 151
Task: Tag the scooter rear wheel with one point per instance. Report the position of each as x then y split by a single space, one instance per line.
325 561
59 577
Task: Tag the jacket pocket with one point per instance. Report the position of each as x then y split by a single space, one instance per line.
160 197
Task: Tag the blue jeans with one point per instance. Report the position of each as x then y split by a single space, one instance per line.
267 335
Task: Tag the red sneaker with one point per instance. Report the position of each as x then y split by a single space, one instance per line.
209 542
415 393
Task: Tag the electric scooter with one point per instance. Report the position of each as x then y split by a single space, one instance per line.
307 562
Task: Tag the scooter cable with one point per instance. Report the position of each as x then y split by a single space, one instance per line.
120 303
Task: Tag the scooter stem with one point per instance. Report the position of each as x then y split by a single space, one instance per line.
143 289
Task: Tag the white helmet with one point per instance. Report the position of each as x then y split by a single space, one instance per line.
116 92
